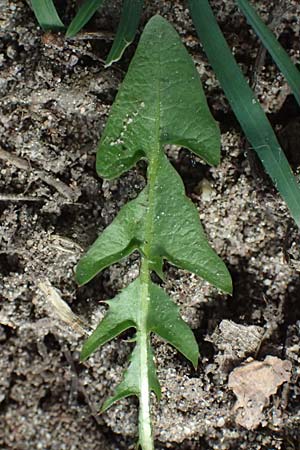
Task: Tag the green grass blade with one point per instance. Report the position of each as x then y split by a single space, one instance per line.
46 15
245 105
131 14
275 49
84 14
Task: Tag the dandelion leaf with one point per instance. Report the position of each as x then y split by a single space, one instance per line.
163 319
131 383
161 101
118 240
177 234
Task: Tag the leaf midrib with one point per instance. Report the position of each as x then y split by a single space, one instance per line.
143 334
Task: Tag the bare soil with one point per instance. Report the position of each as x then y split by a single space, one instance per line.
55 98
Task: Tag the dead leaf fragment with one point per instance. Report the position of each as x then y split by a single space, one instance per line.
253 384
62 309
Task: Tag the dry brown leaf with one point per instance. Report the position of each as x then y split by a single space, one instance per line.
253 384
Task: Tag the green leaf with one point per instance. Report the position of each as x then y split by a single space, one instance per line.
160 101
131 14
84 14
246 106
163 318
46 15
275 49
176 234
132 382
147 113
121 316
118 240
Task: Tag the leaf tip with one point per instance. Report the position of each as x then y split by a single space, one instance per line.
228 287
158 395
83 355
195 360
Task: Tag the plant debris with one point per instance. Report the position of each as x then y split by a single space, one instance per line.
253 384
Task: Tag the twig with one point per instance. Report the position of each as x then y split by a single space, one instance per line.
57 184
62 188
19 198
92 35
14 160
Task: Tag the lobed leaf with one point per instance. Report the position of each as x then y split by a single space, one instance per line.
166 106
131 14
163 319
246 106
176 235
131 383
160 101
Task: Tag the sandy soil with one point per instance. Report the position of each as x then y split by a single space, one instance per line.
55 98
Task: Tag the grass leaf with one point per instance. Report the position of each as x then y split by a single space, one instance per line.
160 101
275 49
131 14
84 14
46 15
245 105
